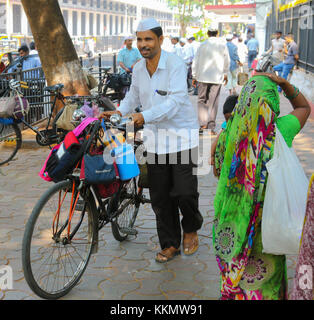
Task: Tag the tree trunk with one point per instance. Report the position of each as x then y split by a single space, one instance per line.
56 51
182 22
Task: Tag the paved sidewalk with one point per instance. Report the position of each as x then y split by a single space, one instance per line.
124 270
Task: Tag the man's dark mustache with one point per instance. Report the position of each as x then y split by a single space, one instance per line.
144 49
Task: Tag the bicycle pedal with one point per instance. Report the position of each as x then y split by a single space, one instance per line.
129 231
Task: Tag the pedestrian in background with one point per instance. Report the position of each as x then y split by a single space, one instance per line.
195 45
209 68
33 48
242 50
175 45
185 52
27 62
253 47
287 65
277 47
234 62
128 56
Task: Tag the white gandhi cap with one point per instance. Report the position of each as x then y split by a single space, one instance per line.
147 24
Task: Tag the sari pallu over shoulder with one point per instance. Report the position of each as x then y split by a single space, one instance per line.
238 203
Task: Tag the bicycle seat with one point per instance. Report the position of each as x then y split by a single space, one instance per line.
55 88
106 69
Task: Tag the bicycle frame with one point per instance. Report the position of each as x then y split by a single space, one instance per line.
56 96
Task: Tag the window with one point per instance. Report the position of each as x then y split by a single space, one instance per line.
105 24
65 17
98 3
122 19
83 3
83 21
91 3
110 5
105 4
17 18
65 1
91 24
117 25
74 1
117 6
98 24
131 25
110 26
74 23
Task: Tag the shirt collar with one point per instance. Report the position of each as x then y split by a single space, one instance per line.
162 60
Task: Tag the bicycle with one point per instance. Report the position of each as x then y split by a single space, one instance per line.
62 231
10 132
113 85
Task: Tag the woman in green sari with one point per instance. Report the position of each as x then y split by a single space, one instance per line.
242 152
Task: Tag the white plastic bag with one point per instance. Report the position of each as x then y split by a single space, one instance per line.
285 201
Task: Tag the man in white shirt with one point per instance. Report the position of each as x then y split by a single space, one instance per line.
185 51
277 47
171 139
242 50
194 44
210 68
175 45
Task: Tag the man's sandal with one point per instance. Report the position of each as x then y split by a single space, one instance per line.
190 243
167 254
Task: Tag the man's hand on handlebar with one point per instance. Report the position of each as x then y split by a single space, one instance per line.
108 114
138 119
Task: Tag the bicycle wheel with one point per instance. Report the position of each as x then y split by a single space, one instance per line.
52 263
10 141
128 204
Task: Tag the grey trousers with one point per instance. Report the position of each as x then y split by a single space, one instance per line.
208 95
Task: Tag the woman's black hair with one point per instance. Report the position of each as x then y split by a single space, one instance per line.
157 31
230 103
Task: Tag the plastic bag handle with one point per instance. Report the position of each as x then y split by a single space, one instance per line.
109 136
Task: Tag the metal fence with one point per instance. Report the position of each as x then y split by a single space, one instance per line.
40 100
294 20
37 97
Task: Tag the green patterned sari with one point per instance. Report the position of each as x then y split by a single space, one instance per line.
242 152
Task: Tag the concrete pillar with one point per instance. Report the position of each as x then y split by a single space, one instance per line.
262 8
70 23
24 22
9 14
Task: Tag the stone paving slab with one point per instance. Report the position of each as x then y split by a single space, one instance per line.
124 270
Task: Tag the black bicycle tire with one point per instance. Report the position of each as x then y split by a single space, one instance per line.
115 228
26 244
18 135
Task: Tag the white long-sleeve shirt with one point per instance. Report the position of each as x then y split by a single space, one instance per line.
211 61
171 123
186 53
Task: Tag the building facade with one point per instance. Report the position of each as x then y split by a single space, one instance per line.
86 18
